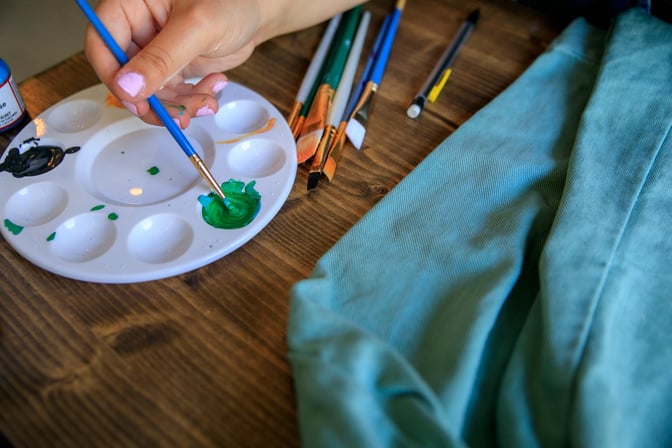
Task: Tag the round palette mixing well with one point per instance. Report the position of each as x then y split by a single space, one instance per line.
74 116
83 237
129 164
242 116
257 158
36 204
160 238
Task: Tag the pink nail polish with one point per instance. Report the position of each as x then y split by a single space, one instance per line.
205 111
219 85
131 83
177 122
131 107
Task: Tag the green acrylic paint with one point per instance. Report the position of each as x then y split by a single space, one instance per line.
153 171
243 203
13 228
51 237
97 207
112 216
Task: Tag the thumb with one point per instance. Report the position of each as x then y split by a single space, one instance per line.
172 49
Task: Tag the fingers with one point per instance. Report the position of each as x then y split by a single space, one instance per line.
186 101
165 41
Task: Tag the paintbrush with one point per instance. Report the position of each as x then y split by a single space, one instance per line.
366 72
340 100
153 101
439 75
335 150
356 128
316 119
295 119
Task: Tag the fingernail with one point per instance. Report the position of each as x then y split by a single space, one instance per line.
219 85
131 107
177 122
131 83
205 111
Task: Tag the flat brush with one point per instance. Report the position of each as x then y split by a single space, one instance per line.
295 119
316 119
154 102
340 101
366 71
335 152
356 128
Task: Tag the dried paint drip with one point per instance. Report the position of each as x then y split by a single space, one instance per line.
243 203
39 159
153 170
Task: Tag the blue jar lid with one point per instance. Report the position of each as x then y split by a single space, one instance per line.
4 70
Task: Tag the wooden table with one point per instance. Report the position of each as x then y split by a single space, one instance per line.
198 359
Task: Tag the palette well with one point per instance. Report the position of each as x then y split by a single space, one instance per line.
92 193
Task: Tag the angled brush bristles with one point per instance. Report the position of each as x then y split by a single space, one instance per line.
307 145
355 132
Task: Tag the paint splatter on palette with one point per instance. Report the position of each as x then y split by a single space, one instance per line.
92 193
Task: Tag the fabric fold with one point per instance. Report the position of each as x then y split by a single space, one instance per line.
495 291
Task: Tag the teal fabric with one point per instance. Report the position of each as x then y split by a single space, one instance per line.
515 288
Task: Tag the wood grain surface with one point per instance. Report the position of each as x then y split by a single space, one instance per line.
200 359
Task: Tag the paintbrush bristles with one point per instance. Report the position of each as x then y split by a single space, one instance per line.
315 123
335 152
207 175
320 155
356 128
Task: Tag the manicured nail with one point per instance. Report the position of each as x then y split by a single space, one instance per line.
177 122
205 111
131 83
131 107
219 85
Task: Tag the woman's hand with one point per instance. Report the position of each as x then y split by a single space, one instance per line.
169 41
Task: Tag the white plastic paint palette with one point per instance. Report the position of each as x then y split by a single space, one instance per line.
124 207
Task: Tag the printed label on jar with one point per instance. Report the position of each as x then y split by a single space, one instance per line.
11 104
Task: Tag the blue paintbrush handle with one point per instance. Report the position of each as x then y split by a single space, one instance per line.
366 73
386 48
121 57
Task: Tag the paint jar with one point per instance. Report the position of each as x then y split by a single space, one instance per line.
12 107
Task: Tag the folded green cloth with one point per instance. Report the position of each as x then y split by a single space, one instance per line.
515 289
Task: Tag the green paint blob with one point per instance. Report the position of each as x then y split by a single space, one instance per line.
51 237
97 207
13 228
112 216
243 203
153 171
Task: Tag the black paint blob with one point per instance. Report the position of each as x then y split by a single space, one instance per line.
39 159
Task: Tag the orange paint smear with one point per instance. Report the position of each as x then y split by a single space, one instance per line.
113 101
267 127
